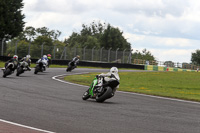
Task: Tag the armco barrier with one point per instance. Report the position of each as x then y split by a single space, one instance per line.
171 69
86 63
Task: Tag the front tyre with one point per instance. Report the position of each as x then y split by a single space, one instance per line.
107 94
86 95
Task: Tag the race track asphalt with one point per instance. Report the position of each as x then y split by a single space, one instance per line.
41 102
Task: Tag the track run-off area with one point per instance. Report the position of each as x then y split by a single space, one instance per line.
43 103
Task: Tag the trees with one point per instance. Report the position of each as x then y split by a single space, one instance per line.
144 55
34 41
196 57
98 35
11 19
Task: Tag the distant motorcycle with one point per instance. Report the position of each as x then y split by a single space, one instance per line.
40 67
22 67
98 92
71 66
9 69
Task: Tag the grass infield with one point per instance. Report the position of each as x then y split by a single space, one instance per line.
181 85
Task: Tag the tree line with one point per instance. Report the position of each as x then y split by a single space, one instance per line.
96 34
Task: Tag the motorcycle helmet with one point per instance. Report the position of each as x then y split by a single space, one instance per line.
45 57
49 55
28 56
114 70
15 57
78 56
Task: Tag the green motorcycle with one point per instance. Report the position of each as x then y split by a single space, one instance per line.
100 89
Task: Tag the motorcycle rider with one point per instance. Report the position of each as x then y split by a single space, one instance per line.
49 58
44 60
28 60
14 60
76 60
112 75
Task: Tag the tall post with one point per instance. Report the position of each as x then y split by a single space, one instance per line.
123 54
93 52
84 52
16 47
54 52
29 47
42 48
2 43
130 54
109 54
75 53
65 53
101 53
116 54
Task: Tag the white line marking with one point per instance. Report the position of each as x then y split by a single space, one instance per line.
16 124
132 93
55 78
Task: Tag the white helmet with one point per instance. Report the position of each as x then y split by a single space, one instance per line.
114 70
44 56
16 57
28 56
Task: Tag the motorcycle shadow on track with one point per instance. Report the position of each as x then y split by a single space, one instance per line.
106 102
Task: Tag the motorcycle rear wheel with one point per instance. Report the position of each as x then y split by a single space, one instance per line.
107 94
6 72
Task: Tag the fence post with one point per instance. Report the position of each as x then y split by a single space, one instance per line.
75 53
42 49
84 52
130 56
123 54
2 43
93 51
101 53
65 53
109 54
16 47
29 46
116 54
54 52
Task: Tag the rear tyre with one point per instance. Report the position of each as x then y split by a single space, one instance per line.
107 94
6 72
36 69
69 69
86 95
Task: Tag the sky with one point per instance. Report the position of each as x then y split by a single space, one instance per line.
169 29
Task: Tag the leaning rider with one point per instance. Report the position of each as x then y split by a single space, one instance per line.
28 60
44 60
76 60
112 75
15 62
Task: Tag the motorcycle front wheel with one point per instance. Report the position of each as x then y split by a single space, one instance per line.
86 95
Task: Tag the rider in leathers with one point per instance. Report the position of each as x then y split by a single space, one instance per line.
44 60
28 60
76 60
112 75
15 62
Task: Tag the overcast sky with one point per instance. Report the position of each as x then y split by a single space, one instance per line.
170 29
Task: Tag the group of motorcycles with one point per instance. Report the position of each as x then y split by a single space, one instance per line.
96 90
22 67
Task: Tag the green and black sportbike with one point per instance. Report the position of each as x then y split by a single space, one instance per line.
100 89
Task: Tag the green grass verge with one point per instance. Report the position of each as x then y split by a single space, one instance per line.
182 85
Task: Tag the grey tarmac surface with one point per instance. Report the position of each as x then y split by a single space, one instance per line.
39 101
